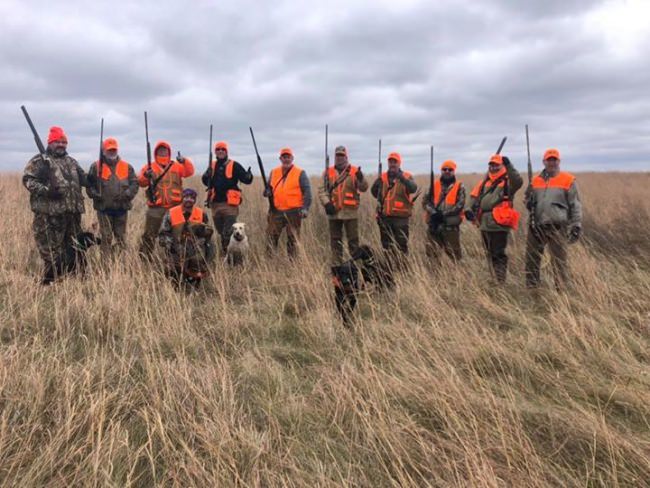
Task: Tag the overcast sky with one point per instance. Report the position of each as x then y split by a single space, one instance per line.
459 75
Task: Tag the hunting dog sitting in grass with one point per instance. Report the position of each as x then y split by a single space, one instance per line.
75 260
238 246
353 275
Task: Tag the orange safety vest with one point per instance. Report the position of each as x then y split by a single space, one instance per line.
178 222
562 180
397 202
345 194
287 194
169 190
233 197
452 195
121 171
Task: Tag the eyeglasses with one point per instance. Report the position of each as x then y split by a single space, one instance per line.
220 149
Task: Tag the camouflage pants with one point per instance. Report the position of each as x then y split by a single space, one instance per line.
223 216
351 227
447 239
109 227
152 222
54 235
278 221
555 238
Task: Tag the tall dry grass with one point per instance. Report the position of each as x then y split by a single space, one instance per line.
120 380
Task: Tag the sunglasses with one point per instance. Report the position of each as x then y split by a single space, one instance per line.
447 170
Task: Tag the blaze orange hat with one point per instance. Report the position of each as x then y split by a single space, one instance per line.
396 156
286 150
56 134
110 143
497 159
221 145
551 153
449 164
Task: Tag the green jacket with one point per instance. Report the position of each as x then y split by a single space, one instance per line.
557 201
490 198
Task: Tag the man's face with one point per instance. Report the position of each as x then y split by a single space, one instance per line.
287 160
59 147
340 160
393 165
188 201
494 168
221 153
110 154
162 151
447 173
552 165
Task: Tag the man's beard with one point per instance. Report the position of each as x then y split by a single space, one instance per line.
59 151
448 178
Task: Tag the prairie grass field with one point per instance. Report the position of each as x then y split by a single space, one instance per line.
118 379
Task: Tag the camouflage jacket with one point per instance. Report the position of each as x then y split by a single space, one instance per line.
55 185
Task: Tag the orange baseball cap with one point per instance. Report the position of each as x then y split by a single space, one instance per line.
496 159
286 150
449 164
396 156
221 145
110 143
551 153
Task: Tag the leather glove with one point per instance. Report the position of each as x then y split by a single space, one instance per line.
469 215
303 213
506 161
574 234
359 175
429 208
148 173
330 209
249 173
180 158
267 192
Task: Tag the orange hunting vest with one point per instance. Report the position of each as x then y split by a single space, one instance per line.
287 194
452 195
177 220
345 194
233 197
121 171
397 202
561 180
170 188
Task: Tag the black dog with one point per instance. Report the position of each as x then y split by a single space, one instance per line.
74 260
352 276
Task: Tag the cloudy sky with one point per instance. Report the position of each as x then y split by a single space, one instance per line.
458 74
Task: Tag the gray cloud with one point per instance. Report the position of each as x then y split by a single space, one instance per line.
459 75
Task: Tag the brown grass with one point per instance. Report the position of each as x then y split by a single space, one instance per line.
119 380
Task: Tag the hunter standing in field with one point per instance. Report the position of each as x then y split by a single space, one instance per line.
491 210
394 191
340 194
112 185
224 195
164 183
187 239
444 214
554 204
55 197
291 195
